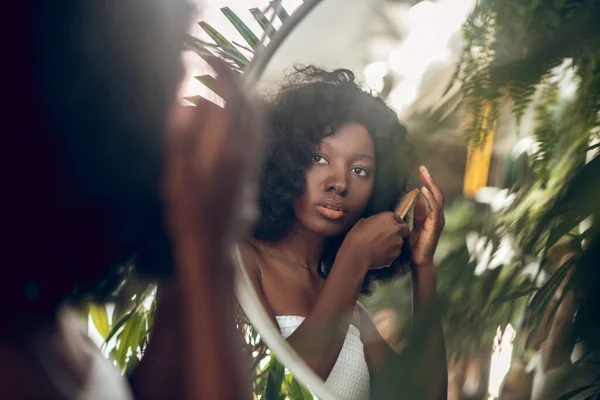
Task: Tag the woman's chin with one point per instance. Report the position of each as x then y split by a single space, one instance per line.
330 229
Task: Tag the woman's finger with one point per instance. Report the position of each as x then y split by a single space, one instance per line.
431 185
404 230
420 212
434 207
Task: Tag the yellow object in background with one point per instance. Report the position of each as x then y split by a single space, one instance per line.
479 157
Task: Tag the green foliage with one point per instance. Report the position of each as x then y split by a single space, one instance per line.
547 133
126 330
230 51
512 51
511 46
477 301
100 319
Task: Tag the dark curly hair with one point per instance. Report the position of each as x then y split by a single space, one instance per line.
311 105
83 187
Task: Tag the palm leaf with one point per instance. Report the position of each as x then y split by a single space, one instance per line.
224 44
246 33
281 13
264 22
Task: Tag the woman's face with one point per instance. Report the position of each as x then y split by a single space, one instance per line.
339 181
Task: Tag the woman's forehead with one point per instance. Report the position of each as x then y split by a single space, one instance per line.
352 138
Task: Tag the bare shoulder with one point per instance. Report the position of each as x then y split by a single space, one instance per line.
250 252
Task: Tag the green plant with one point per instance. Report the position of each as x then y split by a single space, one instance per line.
512 51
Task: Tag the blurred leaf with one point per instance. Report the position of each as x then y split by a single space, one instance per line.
300 392
117 327
264 22
100 319
120 311
132 363
246 33
513 296
224 44
281 13
548 290
128 339
489 281
582 195
274 380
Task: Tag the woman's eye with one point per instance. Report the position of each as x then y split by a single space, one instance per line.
317 159
360 171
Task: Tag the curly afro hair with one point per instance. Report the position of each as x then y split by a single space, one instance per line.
312 104
83 185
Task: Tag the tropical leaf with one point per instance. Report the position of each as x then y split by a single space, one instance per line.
281 13
246 33
274 380
224 44
120 324
579 201
264 22
514 296
128 340
100 319
548 290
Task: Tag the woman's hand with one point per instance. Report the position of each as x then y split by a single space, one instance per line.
212 163
428 224
210 169
376 240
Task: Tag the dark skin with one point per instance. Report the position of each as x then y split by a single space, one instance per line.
286 273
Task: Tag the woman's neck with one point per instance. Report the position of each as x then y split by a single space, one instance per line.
303 246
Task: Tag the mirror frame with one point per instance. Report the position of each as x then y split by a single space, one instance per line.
245 292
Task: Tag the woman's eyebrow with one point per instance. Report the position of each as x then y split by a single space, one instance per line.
363 155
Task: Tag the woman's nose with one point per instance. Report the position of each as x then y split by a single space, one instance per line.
337 182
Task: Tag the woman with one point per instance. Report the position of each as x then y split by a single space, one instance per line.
333 172
93 181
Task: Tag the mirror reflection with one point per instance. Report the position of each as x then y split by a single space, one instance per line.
333 174
354 110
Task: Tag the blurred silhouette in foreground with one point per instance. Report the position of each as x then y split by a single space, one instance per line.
102 170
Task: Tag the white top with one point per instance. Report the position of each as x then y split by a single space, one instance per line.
349 378
69 345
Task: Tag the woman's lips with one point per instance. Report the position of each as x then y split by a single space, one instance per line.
329 212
